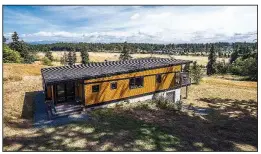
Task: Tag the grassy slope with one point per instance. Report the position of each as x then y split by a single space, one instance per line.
232 125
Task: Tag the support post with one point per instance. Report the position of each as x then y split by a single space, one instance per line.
186 92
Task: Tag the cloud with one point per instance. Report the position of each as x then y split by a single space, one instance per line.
158 24
135 16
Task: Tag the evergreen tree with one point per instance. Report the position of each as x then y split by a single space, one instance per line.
211 61
196 73
70 58
15 37
125 55
234 56
22 48
4 39
84 55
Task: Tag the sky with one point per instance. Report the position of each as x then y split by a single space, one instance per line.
134 24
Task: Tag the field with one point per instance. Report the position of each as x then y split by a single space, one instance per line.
101 56
231 126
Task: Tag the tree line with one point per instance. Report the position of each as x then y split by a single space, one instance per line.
224 49
242 55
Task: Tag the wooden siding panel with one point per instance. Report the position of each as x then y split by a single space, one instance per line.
49 92
107 94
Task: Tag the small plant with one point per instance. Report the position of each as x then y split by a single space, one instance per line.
47 61
143 106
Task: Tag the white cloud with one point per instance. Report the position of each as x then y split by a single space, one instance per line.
135 16
164 24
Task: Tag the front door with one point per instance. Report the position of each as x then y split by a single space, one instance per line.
65 92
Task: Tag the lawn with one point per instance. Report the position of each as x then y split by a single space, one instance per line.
230 126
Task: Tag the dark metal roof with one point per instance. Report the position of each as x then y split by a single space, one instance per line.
102 69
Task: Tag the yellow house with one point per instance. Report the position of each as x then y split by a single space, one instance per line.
100 83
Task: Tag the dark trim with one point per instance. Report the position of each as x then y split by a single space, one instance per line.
122 99
83 93
128 78
118 73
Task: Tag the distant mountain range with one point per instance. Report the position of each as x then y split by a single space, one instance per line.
42 42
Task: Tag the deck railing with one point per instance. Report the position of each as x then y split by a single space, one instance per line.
185 79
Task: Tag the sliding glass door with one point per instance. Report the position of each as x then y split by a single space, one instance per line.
65 92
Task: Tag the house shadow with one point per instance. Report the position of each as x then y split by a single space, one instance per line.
28 106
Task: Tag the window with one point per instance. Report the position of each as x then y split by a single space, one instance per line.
95 88
136 82
177 79
158 78
114 85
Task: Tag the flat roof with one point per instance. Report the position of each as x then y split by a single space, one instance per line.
102 69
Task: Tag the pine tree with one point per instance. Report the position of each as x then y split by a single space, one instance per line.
4 39
125 55
70 58
196 73
211 61
84 55
15 37
234 56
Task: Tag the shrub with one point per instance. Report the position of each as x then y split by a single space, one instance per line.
164 104
196 73
30 58
246 67
11 56
222 67
47 61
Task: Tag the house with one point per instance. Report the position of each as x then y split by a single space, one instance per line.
100 83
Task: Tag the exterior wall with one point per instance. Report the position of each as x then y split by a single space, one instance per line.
123 91
158 95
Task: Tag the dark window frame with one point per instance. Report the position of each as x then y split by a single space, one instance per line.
158 78
134 82
115 85
97 89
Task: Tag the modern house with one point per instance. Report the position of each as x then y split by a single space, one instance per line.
100 83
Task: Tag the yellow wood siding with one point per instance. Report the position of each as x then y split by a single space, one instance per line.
49 92
107 94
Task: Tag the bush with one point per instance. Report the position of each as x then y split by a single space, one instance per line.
196 73
30 58
11 56
222 67
164 104
47 61
246 67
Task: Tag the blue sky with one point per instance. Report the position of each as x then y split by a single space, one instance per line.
146 24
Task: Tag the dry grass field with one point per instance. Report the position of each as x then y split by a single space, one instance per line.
232 126
101 56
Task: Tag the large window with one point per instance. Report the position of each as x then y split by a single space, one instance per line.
136 82
95 88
